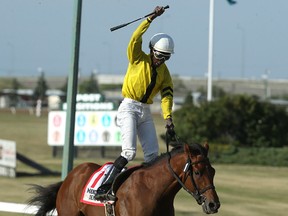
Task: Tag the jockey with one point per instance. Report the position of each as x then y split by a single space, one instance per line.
147 75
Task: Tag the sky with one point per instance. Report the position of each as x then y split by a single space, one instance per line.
250 37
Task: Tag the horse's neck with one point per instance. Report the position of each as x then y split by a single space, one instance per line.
164 178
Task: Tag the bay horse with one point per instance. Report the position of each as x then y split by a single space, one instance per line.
148 191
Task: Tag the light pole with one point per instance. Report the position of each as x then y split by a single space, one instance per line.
210 51
68 148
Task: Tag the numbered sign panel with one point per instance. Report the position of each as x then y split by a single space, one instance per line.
92 128
7 158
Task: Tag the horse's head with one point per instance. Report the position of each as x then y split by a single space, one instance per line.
198 177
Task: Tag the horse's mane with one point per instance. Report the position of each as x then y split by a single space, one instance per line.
195 148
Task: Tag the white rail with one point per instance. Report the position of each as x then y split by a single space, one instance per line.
20 208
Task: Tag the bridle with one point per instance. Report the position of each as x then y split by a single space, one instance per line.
188 171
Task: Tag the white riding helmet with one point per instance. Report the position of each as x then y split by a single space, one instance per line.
162 43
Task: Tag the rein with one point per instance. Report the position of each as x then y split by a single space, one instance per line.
188 169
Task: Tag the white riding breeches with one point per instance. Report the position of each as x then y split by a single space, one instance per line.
134 118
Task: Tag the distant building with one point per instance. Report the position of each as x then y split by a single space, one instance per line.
25 98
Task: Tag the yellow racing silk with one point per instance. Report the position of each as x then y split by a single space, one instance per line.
139 75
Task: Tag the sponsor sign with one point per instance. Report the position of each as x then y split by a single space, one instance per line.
7 158
92 128
91 102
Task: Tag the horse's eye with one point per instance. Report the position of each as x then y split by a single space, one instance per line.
197 173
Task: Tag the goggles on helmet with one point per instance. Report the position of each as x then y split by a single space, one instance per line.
160 55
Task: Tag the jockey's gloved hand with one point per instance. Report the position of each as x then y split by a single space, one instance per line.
158 11
170 127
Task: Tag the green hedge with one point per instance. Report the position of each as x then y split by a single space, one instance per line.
239 120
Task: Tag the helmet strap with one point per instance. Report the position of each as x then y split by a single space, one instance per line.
150 46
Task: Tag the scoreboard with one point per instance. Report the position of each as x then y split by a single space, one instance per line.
92 128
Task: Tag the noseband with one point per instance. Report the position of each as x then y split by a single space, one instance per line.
188 171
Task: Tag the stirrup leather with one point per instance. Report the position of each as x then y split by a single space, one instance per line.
105 196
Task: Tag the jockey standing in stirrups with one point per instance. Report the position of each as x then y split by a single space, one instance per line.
147 75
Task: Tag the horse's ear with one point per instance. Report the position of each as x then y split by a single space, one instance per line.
186 148
206 145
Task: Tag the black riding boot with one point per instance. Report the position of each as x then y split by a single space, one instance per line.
102 191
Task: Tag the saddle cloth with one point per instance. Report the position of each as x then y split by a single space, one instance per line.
92 185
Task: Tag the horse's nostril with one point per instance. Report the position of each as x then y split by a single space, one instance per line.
214 206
